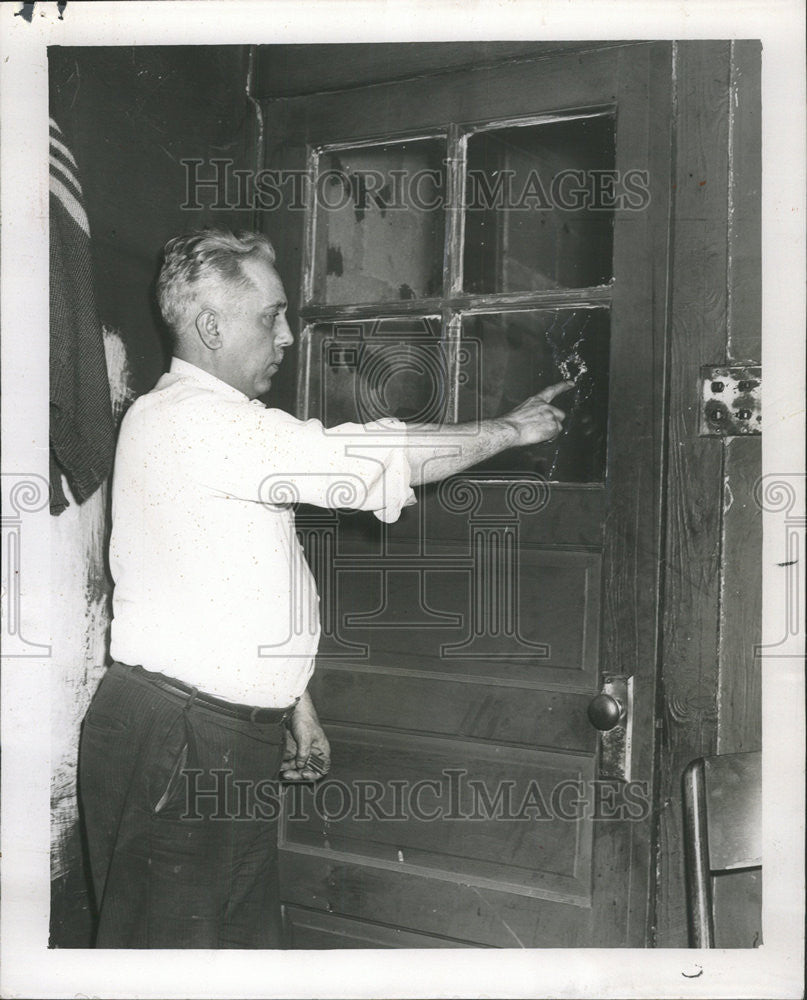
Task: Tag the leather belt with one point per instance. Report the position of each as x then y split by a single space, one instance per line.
246 713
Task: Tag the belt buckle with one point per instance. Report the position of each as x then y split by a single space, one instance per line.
287 713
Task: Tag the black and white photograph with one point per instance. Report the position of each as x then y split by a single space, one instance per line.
403 500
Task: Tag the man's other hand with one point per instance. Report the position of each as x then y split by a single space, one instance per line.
307 754
535 419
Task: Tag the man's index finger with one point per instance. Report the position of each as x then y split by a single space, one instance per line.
549 393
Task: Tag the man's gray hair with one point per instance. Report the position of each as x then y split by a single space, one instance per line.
193 258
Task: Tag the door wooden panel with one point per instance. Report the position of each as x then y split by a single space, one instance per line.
452 829
458 910
471 635
426 604
312 929
460 705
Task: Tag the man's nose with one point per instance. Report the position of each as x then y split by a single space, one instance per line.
285 337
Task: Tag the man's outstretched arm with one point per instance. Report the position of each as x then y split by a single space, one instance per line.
435 451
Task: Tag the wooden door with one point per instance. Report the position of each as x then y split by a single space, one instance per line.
470 802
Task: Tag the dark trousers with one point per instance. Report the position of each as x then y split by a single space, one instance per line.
181 808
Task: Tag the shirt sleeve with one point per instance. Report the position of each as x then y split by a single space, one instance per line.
250 452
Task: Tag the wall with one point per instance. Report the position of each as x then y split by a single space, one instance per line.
80 589
129 116
158 106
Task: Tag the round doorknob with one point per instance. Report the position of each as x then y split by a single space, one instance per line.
604 712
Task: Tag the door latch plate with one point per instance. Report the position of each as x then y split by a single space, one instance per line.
731 401
615 744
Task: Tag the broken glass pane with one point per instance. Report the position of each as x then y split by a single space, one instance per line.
540 206
380 223
507 357
361 371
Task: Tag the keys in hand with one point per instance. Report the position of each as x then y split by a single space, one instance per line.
316 764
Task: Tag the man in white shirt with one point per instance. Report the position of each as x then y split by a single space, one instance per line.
216 621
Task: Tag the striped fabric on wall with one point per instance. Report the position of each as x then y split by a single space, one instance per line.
82 441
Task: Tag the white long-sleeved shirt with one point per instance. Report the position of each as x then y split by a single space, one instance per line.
211 583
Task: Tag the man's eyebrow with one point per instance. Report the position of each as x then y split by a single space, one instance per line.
280 304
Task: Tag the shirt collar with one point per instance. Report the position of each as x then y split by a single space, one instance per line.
186 370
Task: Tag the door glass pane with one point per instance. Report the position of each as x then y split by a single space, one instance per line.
507 357
380 223
539 206
361 371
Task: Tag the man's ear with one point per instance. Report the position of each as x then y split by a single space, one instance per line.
207 326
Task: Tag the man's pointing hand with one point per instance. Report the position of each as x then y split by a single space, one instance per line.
535 419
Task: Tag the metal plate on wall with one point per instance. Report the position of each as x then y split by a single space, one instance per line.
731 401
